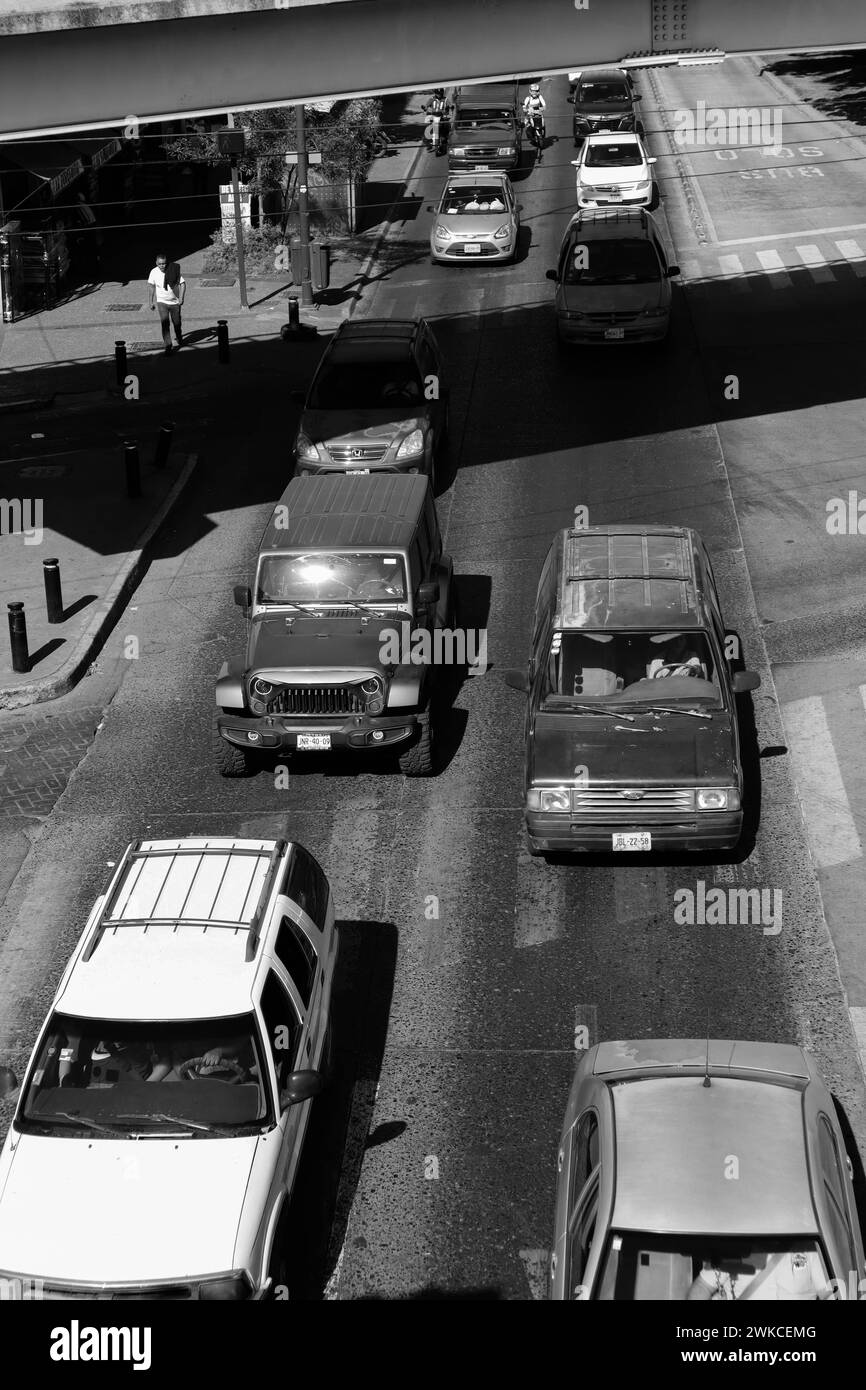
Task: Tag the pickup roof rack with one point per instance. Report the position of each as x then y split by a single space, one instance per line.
185 885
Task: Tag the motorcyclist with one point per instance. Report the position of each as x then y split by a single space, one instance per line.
534 105
435 108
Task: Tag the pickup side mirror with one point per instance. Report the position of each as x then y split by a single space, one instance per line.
672 270
243 597
301 1086
518 680
571 99
636 96
551 275
428 593
297 397
746 680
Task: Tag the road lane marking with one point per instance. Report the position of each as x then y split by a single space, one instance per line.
539 900
853 254
732 269
815 263
640 892
775 267
787 236
830 827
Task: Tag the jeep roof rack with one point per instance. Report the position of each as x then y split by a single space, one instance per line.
171 885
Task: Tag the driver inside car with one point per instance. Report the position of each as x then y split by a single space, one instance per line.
678 658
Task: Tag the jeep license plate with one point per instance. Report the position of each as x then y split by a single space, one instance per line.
614 332
472 248
313 741
633 839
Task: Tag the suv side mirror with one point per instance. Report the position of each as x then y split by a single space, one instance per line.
8 1082
746 680
672 270
571 99
243 597
551 275
636 96
301 1086
297 397
518 680
428 593
430 207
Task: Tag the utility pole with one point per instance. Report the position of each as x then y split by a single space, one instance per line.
239 231
303 209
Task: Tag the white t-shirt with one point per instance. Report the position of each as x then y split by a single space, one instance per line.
163 295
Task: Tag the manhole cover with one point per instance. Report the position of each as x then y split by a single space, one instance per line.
122 308
219 282
147 347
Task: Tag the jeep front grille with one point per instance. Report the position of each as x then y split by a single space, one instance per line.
317 699
608 801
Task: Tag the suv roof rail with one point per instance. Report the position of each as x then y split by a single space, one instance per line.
136 852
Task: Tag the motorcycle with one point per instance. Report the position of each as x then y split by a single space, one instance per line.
433 131
535 131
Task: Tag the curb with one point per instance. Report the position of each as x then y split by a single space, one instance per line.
107 613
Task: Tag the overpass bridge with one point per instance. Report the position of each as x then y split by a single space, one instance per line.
70 65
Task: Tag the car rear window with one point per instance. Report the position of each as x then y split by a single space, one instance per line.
367 386
596 92
620 261
609 156
483 198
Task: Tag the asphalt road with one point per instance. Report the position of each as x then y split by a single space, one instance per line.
470 968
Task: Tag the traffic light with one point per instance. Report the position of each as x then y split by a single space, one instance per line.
230 143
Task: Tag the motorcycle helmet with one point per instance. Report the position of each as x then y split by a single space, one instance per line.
440 93
534 89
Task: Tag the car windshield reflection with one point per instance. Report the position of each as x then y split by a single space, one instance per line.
331 577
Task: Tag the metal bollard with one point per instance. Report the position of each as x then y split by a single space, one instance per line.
53 594
133 468
223 339
294 314
163 444
18 637
120 360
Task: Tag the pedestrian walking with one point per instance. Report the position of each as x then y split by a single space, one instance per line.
166 289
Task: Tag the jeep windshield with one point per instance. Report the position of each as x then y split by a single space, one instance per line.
627 261
368 385
631 669
203 1078
325 577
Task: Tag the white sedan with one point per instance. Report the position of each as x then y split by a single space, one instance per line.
615 170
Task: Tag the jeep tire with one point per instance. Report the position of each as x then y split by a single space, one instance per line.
417 759
230 760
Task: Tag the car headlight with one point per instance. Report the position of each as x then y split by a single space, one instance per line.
228 1287
412 444
642 184
502 232
459 150
572 314
305 449
718 799
548 799
442 233
582 123
655 313
505 149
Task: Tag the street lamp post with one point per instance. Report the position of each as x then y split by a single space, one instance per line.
231 144
303 209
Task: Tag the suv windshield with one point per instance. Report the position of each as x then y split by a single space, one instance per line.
332 577
629 261
630 668
604 93
461 199
366 385
97 1074
612 156
640 1266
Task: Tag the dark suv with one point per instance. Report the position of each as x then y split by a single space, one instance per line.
603 100
486 132
378 401
632 740
350 572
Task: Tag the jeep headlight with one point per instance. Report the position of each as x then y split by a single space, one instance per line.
548 799
413 444
374 690
305 449
718 799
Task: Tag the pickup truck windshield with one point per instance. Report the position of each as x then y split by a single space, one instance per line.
630 668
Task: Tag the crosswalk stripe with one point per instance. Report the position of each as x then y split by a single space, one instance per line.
774 265
732 269
640 892
539 900
833 837
853 255
815 263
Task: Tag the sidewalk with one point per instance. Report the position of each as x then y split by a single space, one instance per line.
62 361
